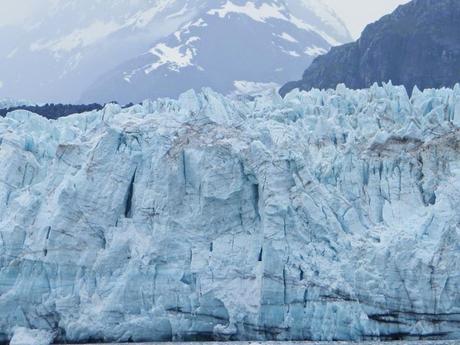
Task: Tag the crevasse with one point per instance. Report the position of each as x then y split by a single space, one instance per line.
325 215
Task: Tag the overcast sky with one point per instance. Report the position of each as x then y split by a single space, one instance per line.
355 13
358 13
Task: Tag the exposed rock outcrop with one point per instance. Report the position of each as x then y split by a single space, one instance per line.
418 44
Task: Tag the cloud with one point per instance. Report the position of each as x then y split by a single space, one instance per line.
358 13
18 12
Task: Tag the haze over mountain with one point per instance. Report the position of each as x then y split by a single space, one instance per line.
58 51
131 50
417 45
369 12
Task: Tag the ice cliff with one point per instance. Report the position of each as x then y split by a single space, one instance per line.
324 215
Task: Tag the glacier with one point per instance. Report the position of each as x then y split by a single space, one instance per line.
25 336
326 215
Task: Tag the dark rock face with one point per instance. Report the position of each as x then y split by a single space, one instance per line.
54 111
417 45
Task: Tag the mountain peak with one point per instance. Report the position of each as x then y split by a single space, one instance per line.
228 41
135 49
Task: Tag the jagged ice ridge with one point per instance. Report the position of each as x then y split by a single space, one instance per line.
324 215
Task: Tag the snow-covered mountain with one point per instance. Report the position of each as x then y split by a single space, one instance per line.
130 50
324 215
62 46
229 43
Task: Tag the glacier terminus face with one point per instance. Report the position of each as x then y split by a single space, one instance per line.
327 215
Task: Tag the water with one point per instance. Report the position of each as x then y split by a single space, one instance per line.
414 342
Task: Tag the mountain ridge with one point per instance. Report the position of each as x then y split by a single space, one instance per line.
72 42
417 45
76 44
227 42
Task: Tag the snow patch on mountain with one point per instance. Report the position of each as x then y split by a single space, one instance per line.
244 87
289 52
179 13
258 13
175 57
315 51
199 23
287 37
269 11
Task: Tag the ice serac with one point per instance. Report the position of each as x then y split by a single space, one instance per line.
324 215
